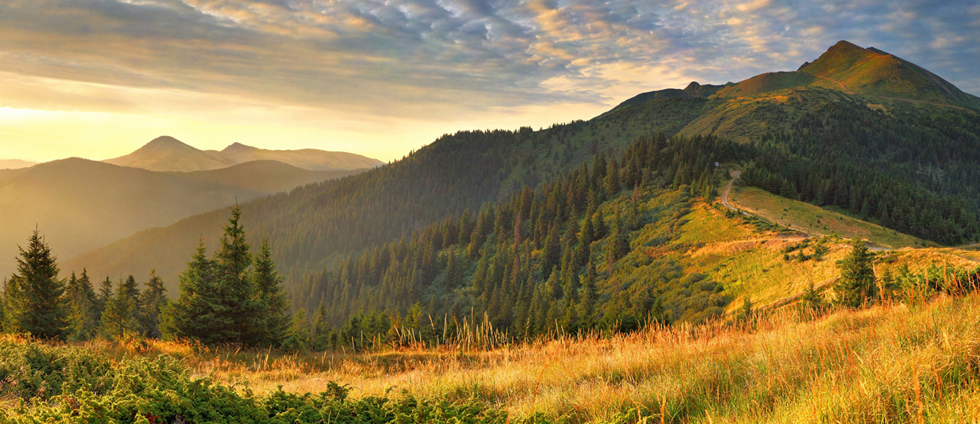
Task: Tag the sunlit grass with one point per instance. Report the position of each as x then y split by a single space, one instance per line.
892 363
814 220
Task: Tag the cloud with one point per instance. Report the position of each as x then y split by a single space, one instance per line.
443 60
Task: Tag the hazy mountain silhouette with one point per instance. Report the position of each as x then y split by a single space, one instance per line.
167 154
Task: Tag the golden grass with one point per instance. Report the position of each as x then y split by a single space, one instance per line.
814 220
892 363
708 224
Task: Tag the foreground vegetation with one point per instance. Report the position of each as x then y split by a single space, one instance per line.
899 362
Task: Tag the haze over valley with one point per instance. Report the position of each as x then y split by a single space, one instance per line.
116 198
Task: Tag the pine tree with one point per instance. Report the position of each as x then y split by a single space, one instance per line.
83 309
300 331
612 178
587 298
321 329
811 302
271 318
35 294
552 252
192 315
130 288
857 281
152 301
225 300
618 244
236 306
119 318
105 293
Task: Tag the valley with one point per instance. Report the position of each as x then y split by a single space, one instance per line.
105 202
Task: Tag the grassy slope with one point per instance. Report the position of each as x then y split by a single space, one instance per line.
814 220
892 363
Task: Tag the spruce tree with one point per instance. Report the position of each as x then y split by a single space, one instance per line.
298 337
35 294
119 318
587 298
105 293
152 302
236 305
271 318
130 288
618 244
83 308
321 329
192 314
857 281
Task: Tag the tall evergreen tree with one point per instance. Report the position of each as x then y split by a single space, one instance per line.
192 314
857 280
105 293
223 300
587 298
83 307
300 331
35 294
130 288
271 318
321 329
152 302
119 318
237 305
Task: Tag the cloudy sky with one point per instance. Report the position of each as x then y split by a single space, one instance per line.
99 78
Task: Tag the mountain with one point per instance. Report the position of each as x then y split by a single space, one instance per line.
167 154
907 163
694 90
855 70
79 204
15 164
312 159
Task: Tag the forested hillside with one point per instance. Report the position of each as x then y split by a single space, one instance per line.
312 225
906 163
575 254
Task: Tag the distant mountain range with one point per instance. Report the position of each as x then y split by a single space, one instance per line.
15 164
80 204
167 154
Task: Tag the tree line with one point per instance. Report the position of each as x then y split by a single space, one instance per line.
233 298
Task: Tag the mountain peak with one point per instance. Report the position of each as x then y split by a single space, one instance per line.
166 143
845 45
238 147
166 140
854 69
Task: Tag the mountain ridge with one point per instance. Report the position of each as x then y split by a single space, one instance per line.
15 164
168 154
80 204
843 67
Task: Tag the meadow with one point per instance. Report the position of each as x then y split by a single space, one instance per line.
896 362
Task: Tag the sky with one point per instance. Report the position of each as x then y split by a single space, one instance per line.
100 78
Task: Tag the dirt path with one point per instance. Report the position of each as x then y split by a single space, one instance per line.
728 189
842 85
